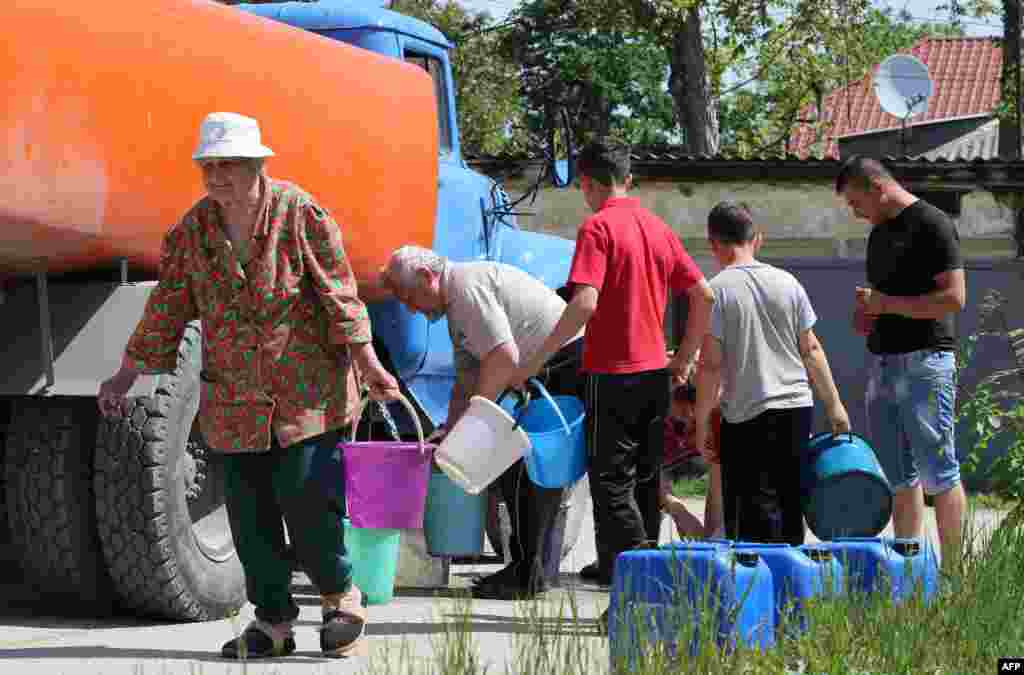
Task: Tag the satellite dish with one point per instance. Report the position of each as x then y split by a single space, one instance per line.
903 86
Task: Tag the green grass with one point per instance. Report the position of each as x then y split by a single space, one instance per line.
690 488
989 500
975 619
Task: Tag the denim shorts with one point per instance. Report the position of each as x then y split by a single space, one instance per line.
910 406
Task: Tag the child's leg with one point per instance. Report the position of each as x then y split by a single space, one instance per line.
687 524
714 521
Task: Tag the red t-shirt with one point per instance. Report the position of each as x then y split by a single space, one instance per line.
633 259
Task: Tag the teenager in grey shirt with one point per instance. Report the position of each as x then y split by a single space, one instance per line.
762 350
496 314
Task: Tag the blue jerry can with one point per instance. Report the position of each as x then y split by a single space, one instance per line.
798 574
898 566
660 595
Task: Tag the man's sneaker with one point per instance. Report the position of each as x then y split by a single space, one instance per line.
261 640
344 622
590 572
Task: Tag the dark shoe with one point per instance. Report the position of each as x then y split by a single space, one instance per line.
260 640
507 590
590 572
344 622
509 574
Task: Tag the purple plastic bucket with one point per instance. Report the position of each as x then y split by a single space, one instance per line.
386 484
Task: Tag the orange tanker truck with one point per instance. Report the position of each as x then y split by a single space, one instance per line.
101 106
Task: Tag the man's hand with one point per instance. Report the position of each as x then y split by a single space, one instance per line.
838 420
437 435
682 369
111 396
523 373
870 301
863 323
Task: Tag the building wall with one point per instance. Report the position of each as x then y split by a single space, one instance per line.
811 233
799 219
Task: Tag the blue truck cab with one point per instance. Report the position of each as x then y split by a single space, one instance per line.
469 223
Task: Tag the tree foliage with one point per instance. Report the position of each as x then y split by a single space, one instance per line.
487 93
611 80
814 49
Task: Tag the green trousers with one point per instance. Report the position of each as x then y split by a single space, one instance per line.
301 486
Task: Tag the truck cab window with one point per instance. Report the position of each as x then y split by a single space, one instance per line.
433 66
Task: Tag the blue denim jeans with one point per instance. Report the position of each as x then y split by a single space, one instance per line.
910 407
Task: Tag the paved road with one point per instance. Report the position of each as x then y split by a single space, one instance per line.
414 622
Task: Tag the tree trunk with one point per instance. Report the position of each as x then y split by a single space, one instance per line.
1009 125
695 112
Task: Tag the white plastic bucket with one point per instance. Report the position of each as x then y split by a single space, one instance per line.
481 446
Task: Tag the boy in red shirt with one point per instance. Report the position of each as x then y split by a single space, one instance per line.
627 262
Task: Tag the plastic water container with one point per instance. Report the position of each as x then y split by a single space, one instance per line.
658 594
394 468
481 446
798 574
374 557
454 521
844 491
558 451
900 567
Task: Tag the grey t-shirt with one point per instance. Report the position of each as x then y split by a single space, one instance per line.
491 303
758 316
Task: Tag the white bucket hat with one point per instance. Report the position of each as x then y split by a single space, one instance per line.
225 134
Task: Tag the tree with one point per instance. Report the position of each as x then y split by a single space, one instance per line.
487 96
816 48
610 80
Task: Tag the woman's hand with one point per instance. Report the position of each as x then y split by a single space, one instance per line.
382 384
113 391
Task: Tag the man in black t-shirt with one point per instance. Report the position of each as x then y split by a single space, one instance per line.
916 286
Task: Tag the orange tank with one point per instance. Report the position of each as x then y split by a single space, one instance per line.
100 110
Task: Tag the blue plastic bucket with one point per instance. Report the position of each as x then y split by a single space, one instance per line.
374 557
659 596
554 425
844 490
453 524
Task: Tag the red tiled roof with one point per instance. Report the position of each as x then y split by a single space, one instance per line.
966 73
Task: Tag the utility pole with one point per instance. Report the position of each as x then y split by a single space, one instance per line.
1010 127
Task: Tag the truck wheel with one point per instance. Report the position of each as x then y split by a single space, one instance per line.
49 501
6 556
160 503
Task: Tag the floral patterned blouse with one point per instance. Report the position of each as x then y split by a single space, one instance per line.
275 331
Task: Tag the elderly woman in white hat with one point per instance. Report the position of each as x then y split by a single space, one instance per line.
264 268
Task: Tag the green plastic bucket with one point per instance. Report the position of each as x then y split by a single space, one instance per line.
374 557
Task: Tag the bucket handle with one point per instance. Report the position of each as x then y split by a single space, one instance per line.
558 411
524 400
408 406
522 395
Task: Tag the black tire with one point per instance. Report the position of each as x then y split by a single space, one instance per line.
50 506
6 556
160 504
